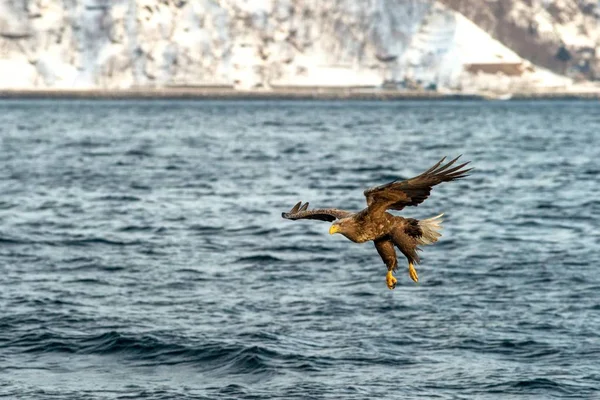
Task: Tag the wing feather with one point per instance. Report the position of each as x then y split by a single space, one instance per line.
300 211
412 192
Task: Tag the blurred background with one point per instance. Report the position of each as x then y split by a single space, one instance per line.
464 46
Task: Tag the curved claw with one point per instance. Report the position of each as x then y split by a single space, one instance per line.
390 280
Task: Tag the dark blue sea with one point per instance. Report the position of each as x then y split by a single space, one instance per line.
143 254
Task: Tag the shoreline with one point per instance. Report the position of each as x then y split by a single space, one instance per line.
312 93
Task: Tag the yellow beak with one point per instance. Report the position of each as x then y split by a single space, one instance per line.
334 229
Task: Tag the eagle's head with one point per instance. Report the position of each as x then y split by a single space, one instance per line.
345 226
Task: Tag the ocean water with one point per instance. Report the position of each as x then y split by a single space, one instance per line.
143 253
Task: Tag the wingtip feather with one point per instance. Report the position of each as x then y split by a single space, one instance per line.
295 208
434 166
446 166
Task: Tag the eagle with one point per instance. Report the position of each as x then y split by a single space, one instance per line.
387 231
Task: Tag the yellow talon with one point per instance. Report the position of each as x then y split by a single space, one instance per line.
390 280
413 272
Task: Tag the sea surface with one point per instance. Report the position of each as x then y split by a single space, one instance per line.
143 253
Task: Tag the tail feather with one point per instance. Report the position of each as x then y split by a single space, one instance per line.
430 229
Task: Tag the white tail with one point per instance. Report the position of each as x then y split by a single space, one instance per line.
431 229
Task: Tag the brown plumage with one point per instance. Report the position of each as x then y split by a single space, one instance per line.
384 229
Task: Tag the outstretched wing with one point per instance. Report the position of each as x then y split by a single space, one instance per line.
300 211
411 192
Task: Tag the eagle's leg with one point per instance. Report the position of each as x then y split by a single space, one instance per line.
385 248
402 237
412 272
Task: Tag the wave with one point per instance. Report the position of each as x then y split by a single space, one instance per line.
9 240
96 240
146 350
206 228
95 266
118 198
136 228
535 385
217 357
296 149
513 348
89 281
262 258
5 205
254 230
139 153
273 123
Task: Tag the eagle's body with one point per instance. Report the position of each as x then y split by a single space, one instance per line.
386 230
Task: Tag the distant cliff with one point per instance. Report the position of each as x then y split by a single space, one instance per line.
272 43
561 35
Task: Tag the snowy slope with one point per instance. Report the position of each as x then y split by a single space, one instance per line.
245 43
561 35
